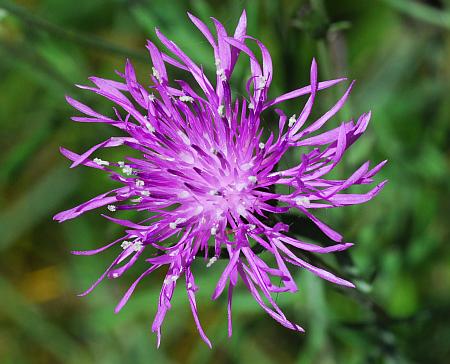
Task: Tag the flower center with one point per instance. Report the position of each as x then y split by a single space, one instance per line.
235 197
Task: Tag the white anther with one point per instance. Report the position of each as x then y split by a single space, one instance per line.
145 193
213 192
184 137
136 200
240 186
252 179
174 225
186 98
221 111
189 285
198 210
150 127
251 227
127 170
126 244
302 201
292 120
183 194
241 210
137 246
220 71
171 278
261 82
213 150
156 74
151 97
222 76
111 208
251 106
101 162
139 183
213 230
261 145
121 164
211 262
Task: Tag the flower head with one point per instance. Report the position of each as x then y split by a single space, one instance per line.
207 177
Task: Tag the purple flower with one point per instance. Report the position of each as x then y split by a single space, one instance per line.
206 181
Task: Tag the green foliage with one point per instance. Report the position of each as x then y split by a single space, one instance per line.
398 51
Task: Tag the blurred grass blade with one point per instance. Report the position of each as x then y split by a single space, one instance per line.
20 153
37 204
34 325
34 63
71 35
422 12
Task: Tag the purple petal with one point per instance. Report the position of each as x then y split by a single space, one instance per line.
225 274
301 92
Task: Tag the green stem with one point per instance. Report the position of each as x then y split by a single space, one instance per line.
73 36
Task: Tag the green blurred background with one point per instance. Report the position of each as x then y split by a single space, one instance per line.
399 52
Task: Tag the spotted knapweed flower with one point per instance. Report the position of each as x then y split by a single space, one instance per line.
206 181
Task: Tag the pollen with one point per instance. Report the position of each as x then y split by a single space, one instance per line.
211 262
137 246
302 201
292 120
174 224
126 244
185 98
112 208
127 170
150 127
156 74
101 162
221 111
261 82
